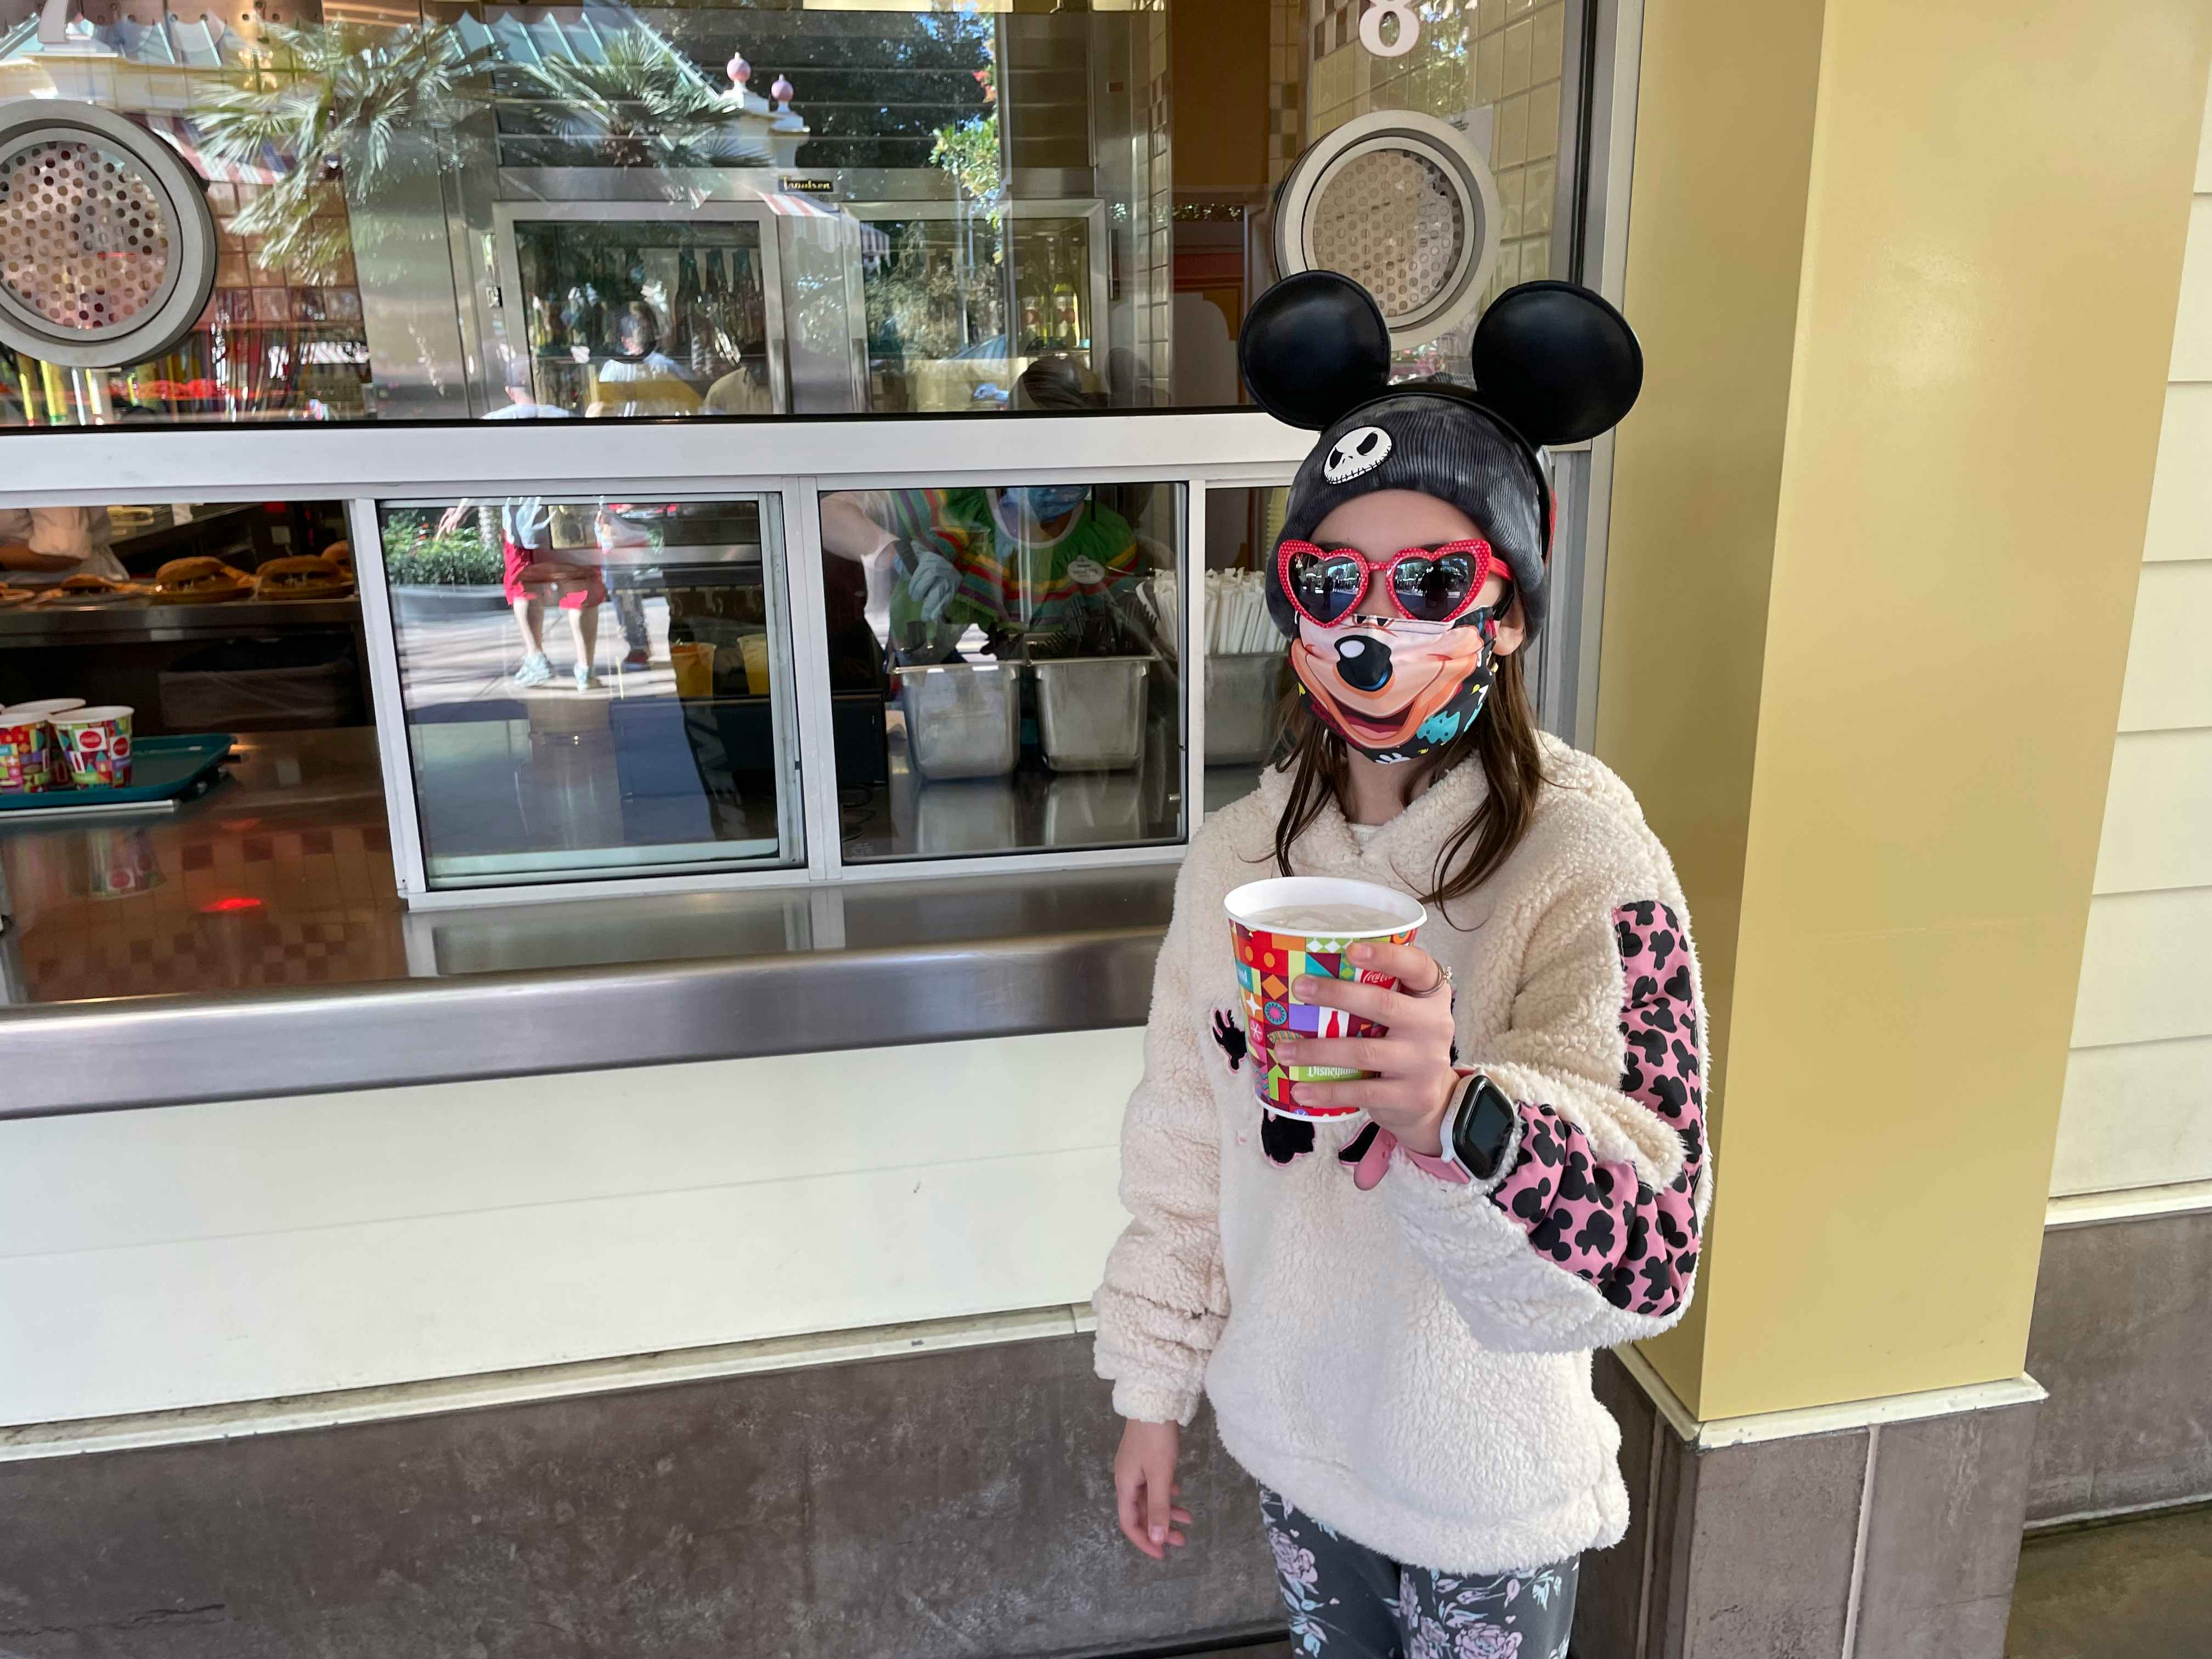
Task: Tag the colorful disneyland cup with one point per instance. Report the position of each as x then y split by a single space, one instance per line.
97 742
25 753
1270 957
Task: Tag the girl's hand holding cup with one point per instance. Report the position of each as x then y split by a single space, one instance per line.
1414 1080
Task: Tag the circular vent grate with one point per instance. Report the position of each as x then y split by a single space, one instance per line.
106 245
1401 205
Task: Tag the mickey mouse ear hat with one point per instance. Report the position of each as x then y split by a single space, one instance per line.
1553 364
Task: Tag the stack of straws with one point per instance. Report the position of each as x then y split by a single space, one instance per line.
1237 620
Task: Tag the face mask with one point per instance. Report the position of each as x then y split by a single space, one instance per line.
1395 690
1046 503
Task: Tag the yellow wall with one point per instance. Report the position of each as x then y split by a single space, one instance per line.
1906 280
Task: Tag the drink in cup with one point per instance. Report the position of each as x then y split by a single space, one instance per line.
97 742
1293 925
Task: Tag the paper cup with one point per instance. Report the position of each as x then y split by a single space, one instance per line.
97 742
26 755
1269 959
46 769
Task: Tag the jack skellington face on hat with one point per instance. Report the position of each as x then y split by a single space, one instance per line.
1552 364
1360 450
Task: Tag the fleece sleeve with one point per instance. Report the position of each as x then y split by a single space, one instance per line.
1587 1234
1165 1298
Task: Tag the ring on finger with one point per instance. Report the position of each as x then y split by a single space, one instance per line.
1443 981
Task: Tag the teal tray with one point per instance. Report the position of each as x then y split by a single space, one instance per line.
164 772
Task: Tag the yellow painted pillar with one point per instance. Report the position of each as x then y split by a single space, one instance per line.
1906 273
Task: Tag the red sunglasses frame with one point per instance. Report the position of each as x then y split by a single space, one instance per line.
1485 562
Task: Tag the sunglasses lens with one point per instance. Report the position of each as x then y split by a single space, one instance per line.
1430 590
1326 587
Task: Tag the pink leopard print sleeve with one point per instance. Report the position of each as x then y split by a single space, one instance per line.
1638 1247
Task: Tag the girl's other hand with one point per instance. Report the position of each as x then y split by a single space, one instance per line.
1145 1489
1413 1081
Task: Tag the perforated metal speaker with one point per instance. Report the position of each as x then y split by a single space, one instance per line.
106 244
1402 205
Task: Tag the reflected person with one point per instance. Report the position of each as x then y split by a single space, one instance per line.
639 378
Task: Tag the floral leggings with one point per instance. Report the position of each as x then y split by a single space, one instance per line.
1348 1603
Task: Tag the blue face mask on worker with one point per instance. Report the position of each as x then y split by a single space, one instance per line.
1049 503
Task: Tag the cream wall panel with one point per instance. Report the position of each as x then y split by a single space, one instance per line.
2139 1115
2143 969
229 1168
2192 323
2181 495
240 1250
2157 815
2169 679
2139 1112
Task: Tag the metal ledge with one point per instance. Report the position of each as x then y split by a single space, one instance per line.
170 1051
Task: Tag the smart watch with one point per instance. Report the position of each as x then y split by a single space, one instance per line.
1480 1128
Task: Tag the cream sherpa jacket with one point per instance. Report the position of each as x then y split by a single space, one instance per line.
1411 1364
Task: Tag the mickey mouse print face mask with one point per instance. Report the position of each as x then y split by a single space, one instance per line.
1395 688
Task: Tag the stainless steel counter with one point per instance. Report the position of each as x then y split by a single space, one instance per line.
253 944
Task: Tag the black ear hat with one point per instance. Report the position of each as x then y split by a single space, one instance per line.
1553 363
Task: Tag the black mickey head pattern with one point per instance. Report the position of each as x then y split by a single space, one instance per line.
1598 1220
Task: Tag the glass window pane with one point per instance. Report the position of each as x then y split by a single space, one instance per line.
1246 666
594 687
427 210
1003 668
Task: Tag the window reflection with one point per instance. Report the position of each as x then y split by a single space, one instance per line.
1003 677
899 210
593 687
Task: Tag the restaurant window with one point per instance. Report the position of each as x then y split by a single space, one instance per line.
1003 667
593 687
455 212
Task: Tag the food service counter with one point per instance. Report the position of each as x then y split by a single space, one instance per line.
252 944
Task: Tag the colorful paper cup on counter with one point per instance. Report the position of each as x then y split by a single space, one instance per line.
47 770
97 742
1271 955
26 754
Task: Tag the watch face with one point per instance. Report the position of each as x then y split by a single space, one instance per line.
1485 1125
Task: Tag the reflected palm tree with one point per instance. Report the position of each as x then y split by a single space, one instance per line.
642 104
351 106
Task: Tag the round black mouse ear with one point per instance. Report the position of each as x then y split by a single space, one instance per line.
1557 360
1313 346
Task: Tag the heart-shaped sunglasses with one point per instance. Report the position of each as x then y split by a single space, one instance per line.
1427 584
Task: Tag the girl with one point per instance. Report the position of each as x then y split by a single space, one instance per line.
1392 1313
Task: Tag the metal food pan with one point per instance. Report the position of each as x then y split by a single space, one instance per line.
1240 708
962 719
1090 712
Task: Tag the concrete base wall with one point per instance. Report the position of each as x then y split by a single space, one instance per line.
2123 1338
1896 1538
949 1505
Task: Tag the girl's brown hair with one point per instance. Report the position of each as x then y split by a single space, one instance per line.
1501 740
